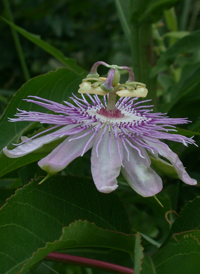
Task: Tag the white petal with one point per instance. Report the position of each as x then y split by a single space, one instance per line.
33 144
106 165
166 152
138 173
65 153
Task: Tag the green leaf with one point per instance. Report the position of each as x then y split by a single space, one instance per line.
138 254
68 62
176 34
187 133
185 92
188 44
150 10
195 126
39 219
188 218
148 266
57 86
83 234
183 245
185 248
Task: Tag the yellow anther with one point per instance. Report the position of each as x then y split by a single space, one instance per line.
139 92
86 87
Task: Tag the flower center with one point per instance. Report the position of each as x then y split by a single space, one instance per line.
110 113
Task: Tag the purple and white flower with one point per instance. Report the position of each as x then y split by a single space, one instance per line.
121 138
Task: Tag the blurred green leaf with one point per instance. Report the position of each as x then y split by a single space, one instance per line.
185 92
68 62
188 44
146 215
123 9
176 34
195 126
150 10
39 219
187 133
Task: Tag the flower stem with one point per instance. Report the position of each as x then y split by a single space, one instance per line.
111 101
16 40
70 259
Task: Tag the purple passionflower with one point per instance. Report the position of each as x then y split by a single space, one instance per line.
121 134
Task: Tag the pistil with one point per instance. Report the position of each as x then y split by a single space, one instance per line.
111 101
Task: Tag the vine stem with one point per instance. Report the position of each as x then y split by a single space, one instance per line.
70 259
16 40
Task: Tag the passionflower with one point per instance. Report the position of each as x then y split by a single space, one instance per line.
122 133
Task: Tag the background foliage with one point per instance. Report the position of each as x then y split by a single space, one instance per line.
60 40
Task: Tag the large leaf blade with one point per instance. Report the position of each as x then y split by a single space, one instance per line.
36 215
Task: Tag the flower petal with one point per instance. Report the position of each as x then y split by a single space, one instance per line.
65 153
166 152
140 176
105 163
33 144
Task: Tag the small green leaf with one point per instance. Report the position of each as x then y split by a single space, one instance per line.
138 254
176 34
39 219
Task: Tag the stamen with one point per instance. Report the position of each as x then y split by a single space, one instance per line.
95 132
121 137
